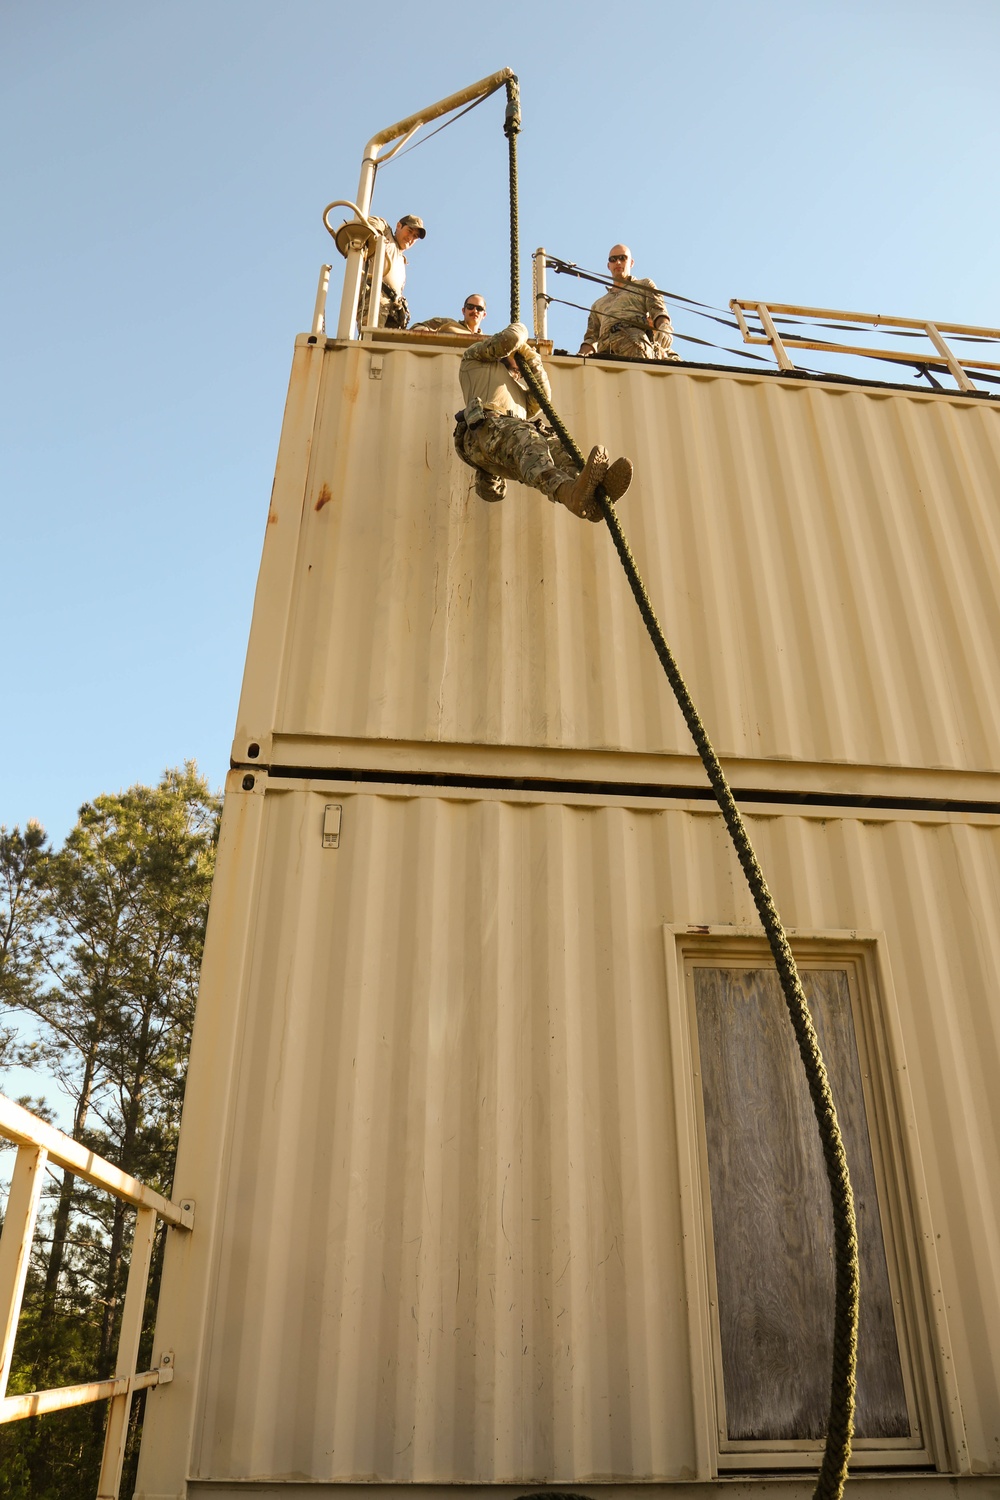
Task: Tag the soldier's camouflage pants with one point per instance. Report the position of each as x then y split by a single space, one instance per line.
393 310
511 448
637 343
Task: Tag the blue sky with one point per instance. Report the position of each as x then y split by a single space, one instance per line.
166 169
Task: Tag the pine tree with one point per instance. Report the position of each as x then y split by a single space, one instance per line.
103 951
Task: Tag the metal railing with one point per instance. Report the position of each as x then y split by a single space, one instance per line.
795 336
39 1144
539 294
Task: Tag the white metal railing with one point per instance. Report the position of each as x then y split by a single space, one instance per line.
318 329
793 336
539 299
38 1144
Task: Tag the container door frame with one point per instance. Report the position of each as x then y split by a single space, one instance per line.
908 1230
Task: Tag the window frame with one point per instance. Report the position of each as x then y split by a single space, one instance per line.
914 1276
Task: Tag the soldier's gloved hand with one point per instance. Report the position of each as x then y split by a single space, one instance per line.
585 349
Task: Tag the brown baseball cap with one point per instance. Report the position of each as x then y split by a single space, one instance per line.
412 222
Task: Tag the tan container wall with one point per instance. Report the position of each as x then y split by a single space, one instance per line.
449 1245
437 1124
824 561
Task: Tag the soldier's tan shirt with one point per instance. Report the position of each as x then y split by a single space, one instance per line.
394 265
483 374
628 304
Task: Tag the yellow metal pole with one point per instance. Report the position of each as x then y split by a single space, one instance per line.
541 297
319 311
15 1245
774 337
957 373
128 1352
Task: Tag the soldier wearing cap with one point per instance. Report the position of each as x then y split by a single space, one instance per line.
494 436
393 311
631 319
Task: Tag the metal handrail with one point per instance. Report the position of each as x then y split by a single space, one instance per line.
943 358
360 217
38 1144
540 296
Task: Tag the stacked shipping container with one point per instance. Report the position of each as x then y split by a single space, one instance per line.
454 1152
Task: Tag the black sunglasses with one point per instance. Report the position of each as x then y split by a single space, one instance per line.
473 307
613 258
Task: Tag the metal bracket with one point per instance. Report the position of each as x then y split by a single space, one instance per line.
332 814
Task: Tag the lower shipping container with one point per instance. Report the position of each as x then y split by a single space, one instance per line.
504 1172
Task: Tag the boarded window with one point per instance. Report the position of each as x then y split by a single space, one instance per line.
772 1227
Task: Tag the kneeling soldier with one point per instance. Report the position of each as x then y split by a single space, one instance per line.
496 436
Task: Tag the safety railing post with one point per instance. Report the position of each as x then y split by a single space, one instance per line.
116 1431
955 369
15 1246
375 287
352 290
319 311
541 297
774 337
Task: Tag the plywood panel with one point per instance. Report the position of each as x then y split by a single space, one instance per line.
771 1215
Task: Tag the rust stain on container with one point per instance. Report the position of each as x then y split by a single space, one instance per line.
323 497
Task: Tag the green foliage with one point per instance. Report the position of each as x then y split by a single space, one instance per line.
21 857
100 950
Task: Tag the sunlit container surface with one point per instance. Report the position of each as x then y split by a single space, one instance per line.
824 560
443 1125
434 1131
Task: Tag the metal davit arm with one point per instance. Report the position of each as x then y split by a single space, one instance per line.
408 127
401 132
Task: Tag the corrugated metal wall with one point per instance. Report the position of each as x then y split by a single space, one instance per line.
449 1242
435 1117
824 560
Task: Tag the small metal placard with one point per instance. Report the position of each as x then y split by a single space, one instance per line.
332 814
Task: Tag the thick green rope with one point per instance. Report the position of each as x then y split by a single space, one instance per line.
840 1425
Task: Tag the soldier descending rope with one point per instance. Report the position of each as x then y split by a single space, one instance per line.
495 433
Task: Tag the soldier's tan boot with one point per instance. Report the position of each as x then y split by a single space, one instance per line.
578 494
618 478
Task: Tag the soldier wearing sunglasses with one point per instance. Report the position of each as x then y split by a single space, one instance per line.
631 319
473 313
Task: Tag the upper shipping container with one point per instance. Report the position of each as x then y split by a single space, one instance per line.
823 558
